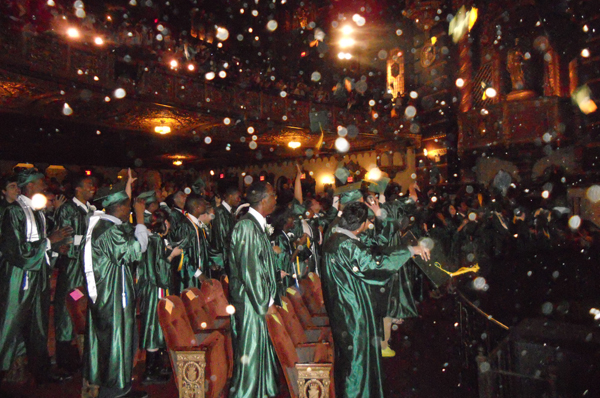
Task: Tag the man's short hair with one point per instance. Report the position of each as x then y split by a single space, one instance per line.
78 179
7 179
353 216
192 201
230 191
257 192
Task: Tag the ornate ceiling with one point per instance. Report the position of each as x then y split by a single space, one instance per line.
60 88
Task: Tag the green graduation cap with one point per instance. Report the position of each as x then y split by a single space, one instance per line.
349 193
380 185
198 186
148 197
111 194
26 176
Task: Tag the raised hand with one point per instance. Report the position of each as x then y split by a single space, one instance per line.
60 234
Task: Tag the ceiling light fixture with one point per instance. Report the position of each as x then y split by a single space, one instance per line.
73 33
162 129
294 144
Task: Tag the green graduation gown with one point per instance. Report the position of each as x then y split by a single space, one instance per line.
252 289
176 216
111 329
222 225
283 261
191 239
153 281
70 266
401 302
349 270
24 287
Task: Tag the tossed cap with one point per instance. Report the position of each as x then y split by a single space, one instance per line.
26 176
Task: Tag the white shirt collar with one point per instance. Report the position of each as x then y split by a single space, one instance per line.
146 211
27 201
226 205
261 220
193 219
85 206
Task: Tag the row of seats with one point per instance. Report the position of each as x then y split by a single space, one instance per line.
199 320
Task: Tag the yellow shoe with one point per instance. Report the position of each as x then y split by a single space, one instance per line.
388 353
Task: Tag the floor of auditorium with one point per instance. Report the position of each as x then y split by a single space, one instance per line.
428 363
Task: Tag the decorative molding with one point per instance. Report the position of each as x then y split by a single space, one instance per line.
314 380
190 370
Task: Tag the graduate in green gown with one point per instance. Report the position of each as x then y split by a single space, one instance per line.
73 213
223 223
349 270
176 203
10 193
153 279
25 278
253 289
111 248
193 234
151 201
287 249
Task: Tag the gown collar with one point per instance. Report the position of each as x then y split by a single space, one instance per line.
344 231
258 217
226 205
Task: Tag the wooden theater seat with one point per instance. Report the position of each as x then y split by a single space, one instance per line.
298 333
198 314
312 294
200 367
306 369
203 323
215 301
306 318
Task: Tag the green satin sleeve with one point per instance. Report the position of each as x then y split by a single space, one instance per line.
154 267
16 250
373 269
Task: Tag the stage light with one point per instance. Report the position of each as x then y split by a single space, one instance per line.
347 42
294 144
98 41
347 29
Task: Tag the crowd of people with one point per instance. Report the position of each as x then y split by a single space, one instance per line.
146 244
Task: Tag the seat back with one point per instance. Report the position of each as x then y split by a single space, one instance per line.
175 324
199 318
214 298
301 311
284 348
76 303
217 367
291 321
312 294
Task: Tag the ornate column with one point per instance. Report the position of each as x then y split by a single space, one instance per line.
466 74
